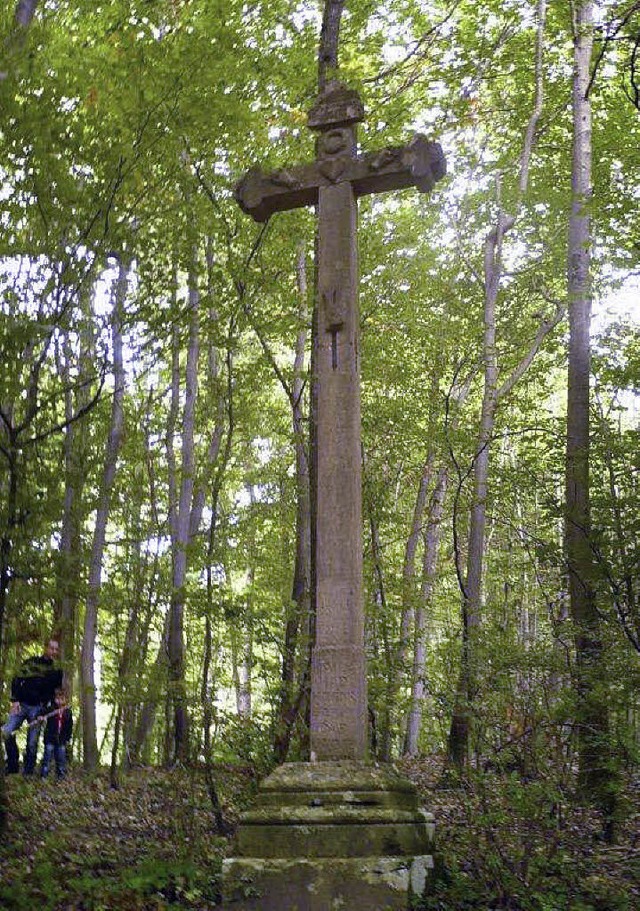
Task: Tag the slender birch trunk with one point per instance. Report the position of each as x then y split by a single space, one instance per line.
297 613
222 826
180 527
493 394
87 662
411 600
397 668
429 563
75 451
186 505
431 536
383 730
133 642
243 634
139 720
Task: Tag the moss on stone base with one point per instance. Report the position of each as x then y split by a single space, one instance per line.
357 884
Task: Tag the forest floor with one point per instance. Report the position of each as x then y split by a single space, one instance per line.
503 843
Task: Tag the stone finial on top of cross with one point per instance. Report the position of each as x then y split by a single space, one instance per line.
337 105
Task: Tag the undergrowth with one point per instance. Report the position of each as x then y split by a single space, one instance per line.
504 843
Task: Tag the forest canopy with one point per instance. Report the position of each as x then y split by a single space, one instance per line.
155 375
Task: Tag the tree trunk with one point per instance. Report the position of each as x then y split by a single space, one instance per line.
431 543
329 41
187 517
180 527
138 719
24 12
11 453
245 666
87 663
472 593
297 618
242 635
23 15
597 775
383 729
459 735
412 602
132 638
70 562
191 519
222 826
147 716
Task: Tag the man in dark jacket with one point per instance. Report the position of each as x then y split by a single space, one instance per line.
32 690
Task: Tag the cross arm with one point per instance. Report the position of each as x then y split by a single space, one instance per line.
260 195
420 163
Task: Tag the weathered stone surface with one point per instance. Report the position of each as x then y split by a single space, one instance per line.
419 164
379 799
358 884
337 105
338 669
334 182
316 839
343 812
337 776
337 831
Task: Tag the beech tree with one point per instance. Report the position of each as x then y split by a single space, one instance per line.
598 774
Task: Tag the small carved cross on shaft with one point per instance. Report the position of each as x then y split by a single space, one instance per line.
333 183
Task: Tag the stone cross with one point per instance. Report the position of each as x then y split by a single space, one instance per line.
333 183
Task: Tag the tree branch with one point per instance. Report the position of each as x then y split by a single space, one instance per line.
543 330
609 37
56 428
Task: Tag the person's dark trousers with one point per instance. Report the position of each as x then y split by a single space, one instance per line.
13 757
59 753
26 713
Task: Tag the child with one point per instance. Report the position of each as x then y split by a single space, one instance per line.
57 734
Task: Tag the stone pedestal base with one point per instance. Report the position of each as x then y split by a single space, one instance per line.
331 835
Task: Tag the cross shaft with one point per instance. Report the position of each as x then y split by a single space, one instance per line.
333 183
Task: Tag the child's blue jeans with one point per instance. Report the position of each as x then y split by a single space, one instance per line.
59 753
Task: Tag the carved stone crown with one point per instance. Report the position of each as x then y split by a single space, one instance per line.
336 106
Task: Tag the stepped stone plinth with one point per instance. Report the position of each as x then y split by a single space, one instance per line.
331 835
